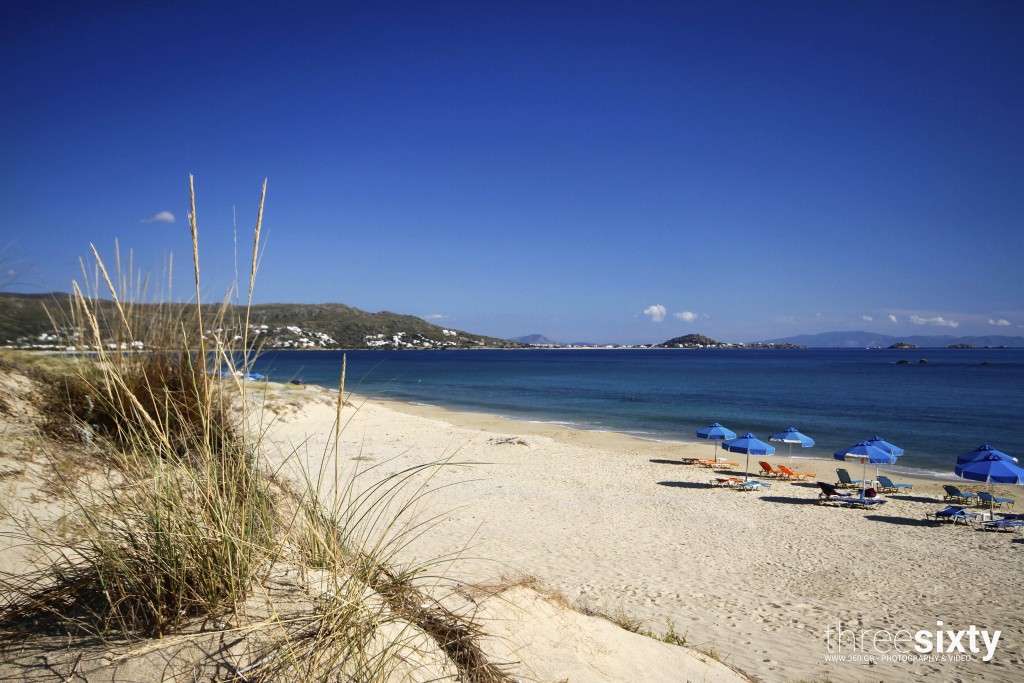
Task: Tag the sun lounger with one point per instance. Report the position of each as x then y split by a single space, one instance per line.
711 464
853 501
845 482
953 513
827 489
886 485
726 481
790 474
767 470
752 485
830 495
955 494
1013 525
986 498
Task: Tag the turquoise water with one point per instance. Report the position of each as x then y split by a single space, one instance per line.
960 399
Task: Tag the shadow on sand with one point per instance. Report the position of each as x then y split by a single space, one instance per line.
790 500
915 499
685 484
902 521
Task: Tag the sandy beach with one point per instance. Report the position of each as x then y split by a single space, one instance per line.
533 529
770 581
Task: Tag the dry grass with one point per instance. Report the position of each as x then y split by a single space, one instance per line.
191 523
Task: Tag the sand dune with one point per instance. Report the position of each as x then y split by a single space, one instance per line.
529 631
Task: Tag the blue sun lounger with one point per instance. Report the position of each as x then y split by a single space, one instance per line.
886 485
987 498
953 513
1013 525
855 501
953 493
845 482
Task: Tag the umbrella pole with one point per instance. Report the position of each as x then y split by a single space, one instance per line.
746 469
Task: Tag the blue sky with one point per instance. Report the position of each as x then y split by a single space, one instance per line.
592 171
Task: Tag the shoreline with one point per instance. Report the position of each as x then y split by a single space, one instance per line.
820 463
620 524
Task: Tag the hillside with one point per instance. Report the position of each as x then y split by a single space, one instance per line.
37 321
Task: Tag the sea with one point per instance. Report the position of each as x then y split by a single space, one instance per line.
933 403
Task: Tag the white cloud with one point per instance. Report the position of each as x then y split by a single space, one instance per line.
938 321
685 316
162 217
657 312
893 319
1001 322
867 318
436 316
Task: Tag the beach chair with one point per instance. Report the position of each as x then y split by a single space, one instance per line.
1013 525
830 495
886 485
752 485
726 481
859 502
711 464
986 498
790 474
953 493
845 482
827 490
767 470
853 501
953 513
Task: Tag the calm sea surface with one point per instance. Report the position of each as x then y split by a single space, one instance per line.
960 399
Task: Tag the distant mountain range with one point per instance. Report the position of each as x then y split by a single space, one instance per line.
38 321
855 340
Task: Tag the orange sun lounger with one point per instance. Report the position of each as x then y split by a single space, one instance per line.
790 474
710 464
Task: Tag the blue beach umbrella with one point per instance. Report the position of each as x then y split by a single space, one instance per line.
748 443
716 432
792 436
865 452
981 452
885 446
991 468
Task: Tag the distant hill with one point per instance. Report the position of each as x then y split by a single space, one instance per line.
855 340
693 341
535 340
25 322
699 341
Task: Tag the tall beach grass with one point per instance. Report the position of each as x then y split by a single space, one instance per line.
193 520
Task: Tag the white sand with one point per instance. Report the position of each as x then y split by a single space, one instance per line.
620 524
533 635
